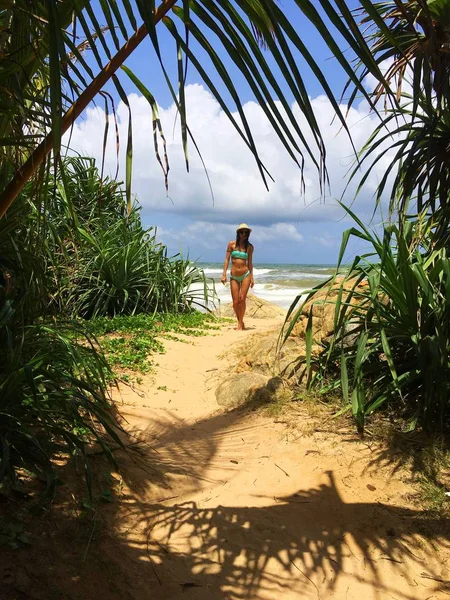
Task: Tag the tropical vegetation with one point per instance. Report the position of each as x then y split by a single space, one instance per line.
391 343
102 260
72 244
56 58
390 347
63 262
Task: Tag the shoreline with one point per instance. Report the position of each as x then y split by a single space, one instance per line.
279 284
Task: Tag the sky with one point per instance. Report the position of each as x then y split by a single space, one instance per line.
199 213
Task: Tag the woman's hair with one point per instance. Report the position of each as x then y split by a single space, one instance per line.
246 242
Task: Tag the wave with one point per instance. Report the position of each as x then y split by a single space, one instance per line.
279 284
280 296
299 275
212 271
256 271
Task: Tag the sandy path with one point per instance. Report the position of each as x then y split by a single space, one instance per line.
236 506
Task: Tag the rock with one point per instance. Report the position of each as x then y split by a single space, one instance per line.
260 357
257 308
260 354
323 307
240 388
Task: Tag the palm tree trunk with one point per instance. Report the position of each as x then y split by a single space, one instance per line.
27 170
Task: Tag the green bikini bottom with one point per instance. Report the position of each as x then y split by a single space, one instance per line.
240 278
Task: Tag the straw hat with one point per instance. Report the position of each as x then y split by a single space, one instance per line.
243 226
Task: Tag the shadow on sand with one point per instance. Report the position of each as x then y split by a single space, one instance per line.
309 544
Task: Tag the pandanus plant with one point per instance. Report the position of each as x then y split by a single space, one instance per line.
47 77
390 347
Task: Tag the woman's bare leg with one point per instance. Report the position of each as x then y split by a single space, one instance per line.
235 290
242 301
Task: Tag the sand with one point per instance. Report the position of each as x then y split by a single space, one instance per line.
216 505
245 506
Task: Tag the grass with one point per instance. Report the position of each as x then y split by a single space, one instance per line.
307 410
12 535
193 323
431 462
424 459
129 342
433 498
130 353
278 404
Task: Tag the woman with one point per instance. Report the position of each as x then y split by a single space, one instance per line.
241 277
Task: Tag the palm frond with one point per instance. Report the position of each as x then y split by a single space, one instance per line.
72 81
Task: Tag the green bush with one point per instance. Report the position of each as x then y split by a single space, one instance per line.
391 342
103 262
123 270
52 399
68 249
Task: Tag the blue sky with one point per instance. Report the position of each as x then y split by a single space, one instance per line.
288 227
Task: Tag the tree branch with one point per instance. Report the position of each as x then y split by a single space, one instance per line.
27 170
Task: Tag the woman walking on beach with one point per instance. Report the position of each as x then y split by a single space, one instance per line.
241 276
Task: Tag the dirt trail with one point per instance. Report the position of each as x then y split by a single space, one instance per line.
216 505
233 505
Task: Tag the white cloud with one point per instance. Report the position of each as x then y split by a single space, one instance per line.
201 233
327 242
239 193
407 78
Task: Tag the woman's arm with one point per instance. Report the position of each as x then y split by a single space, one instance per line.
225 264
250 264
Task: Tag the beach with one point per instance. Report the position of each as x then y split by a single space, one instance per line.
246 505
213 503
280 284
165 435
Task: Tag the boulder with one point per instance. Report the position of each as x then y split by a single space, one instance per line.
240 388
323 307
260 353
256 308
260 358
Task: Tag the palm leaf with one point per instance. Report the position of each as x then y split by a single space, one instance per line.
264 16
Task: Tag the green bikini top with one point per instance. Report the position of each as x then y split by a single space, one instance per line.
239 254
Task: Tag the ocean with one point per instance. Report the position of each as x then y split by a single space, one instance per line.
279 284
